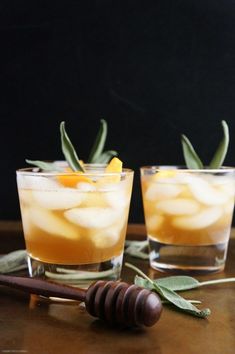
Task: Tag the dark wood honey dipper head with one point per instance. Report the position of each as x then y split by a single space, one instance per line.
117 303
123 304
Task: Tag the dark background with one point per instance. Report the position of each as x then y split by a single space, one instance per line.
152 69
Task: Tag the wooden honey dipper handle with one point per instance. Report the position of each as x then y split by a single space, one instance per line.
114 302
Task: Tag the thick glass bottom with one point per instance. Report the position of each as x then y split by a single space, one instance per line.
187 259
76 275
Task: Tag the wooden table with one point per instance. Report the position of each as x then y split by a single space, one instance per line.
41 327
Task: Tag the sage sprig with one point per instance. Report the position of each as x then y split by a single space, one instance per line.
167 294
45 166
192 159
222 149
97 154
69 151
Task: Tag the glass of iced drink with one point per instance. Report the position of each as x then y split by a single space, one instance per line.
75 224
188 215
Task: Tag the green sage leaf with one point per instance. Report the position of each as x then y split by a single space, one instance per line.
99 143
180 302
222 149
172 297
13 261
46 166
69 151
106 156
167 294
192 160
178 282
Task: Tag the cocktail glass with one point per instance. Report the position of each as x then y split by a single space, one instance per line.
75 224
188 215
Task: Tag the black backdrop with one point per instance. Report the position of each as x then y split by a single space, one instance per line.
152 69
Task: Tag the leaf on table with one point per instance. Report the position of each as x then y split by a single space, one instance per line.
178 282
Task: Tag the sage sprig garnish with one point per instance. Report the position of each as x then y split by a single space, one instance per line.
69 151
45 166
192 159
97 154
98 145
167 294
222 149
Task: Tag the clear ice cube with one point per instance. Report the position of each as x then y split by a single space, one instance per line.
64 198
200 220
162 191
93 217
179 206
52 224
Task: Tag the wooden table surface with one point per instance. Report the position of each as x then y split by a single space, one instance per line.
29 325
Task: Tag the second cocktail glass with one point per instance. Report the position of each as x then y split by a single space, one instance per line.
188 215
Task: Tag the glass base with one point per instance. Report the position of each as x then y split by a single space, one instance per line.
187 259
76 275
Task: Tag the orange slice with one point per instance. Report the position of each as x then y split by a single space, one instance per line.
73 178
114 166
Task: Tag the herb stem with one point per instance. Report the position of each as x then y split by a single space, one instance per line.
137 270
217 281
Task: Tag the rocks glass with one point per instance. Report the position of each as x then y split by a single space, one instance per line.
188 215
75 224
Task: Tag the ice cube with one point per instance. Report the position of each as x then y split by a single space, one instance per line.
228 188
25 196
179 206
205 193
65 198
52 224
200 220
37 182
228 208
162 191
93 217
106 238
26 222
85 187
154 222
117 199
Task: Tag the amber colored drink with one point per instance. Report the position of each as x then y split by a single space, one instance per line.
188 216
75 224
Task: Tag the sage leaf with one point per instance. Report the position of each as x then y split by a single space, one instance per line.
13 261
222 149
69 151
167 294
137 249
178 282
45 166
99 143
180 302
106 156
192 160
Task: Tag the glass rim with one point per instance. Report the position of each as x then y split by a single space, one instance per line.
33 171
183 168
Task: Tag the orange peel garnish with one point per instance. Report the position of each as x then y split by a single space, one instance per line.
71 179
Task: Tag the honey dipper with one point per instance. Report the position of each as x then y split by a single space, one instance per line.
116 303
